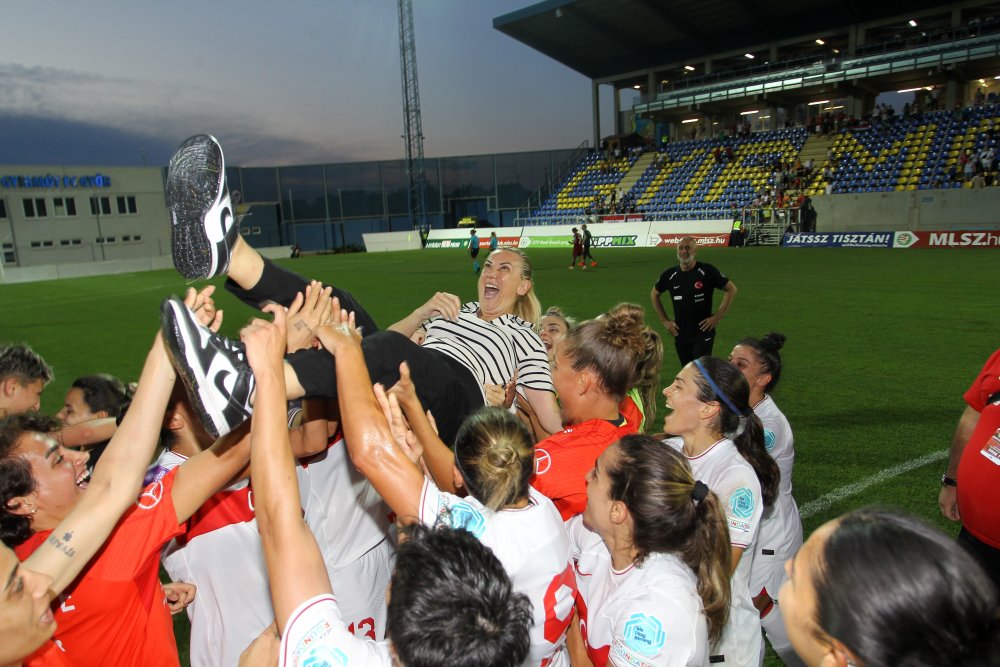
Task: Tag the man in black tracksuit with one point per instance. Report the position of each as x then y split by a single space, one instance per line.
691 286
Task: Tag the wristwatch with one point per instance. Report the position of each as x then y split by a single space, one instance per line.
948 481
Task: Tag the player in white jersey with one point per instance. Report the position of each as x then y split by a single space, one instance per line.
451 601
652 559
494 460
233 604
724 444
780 534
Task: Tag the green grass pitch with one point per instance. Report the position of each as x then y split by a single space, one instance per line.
881 343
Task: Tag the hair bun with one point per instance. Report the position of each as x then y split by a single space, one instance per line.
773 341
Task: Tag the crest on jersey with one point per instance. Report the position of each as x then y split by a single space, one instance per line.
741 503
324 656
644 634
464 515
768 439
150 496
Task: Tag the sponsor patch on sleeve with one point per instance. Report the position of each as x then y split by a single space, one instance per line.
741 504
768 439
464 515
642 638
324 656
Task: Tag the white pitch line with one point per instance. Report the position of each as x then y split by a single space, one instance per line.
826 500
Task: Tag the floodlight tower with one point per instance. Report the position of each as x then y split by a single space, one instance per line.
413 132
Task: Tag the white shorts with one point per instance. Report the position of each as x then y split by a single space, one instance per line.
360 590
767 572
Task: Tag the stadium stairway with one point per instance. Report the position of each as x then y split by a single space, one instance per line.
635 173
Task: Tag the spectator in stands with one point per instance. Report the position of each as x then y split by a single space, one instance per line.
691 285
968 486
877 588
23 376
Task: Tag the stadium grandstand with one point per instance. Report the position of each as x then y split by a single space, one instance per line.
735 112
865 116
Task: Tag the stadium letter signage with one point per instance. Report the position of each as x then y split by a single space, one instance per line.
948 239
838 240
51 181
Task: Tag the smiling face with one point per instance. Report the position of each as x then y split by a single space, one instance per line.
687 250
566 381
60 477
797 599
17 398
552 331
500 284
597 515
75 409
686 409
25 616
745 358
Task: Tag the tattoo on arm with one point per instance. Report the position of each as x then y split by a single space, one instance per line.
62 544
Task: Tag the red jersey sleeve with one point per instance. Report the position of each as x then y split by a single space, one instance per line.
985 385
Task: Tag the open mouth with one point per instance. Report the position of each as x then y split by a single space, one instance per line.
491 290
83 480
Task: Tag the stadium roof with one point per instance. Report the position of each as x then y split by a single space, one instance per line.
608 38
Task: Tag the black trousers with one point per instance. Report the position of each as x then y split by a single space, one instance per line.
690 348
986 555
445 387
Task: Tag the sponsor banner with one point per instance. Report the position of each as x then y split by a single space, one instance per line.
603 235
628 217
708 233
838 240
459 238
702 240
948 239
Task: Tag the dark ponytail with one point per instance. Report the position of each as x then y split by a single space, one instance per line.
737 421
672 514
767 350
896 591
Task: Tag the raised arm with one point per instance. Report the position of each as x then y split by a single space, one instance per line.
439 459
369 440
294 562
443 304
117 478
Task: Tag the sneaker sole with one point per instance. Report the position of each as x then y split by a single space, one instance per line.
174 326
199 205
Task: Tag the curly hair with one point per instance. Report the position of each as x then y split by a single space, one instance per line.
16 478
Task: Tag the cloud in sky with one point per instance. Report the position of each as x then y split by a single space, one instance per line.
298 83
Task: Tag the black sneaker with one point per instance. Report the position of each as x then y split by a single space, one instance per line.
201 211
214 369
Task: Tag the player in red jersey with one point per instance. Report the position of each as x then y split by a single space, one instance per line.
115 612
594 367
26 620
